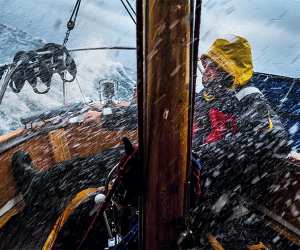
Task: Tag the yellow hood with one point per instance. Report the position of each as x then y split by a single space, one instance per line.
234 56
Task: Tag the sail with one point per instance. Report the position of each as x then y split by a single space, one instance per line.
283 93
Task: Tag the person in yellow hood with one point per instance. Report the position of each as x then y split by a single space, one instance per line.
229 108
237 135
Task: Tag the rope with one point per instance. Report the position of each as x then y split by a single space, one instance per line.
64 93
83 97
199 68
132 18
259 246
123 164
103 48
215 244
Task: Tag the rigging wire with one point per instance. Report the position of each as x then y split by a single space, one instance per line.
70 26
103 48
285 98
81 92
130 6
75 11
64 93
199 68
126 8
86 49
72 21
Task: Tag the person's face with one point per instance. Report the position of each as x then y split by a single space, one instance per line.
212 73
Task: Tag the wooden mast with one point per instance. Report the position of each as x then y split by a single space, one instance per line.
164 93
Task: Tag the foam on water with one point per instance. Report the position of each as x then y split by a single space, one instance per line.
92 67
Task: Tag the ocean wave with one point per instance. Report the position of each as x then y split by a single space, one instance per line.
92 67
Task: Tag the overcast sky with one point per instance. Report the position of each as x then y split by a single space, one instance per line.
271 26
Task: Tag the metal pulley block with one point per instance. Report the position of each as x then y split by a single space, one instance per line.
38 66
30 68
59 60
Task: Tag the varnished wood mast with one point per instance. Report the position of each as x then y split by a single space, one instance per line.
164 93
164 74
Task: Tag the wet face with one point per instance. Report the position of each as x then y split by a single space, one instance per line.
215 80
212 73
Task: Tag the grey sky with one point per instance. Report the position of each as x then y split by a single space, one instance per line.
271 26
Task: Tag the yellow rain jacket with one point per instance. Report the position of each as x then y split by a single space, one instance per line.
233 55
